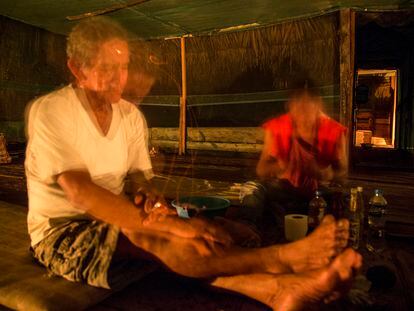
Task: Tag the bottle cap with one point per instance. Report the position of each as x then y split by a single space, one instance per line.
360 189
354 190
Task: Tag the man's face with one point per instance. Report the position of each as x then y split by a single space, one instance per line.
108 74
304 110
139 85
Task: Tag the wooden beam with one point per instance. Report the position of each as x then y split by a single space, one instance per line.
183 101
246 135
347 70
210 146
244 139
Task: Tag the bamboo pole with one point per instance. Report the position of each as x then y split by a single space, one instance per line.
183 101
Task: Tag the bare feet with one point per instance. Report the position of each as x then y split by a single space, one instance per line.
297 291
319 248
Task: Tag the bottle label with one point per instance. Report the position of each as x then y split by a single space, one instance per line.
321 214
354 232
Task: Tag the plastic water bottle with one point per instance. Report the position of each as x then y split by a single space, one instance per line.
317 209
354 217
376 222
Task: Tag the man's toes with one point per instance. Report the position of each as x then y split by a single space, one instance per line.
343 235
341 243
322 261
332 297
357 261
343 224
346 263
328 219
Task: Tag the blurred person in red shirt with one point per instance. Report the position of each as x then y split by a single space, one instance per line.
304 150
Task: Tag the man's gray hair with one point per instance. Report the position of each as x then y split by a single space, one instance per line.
86 37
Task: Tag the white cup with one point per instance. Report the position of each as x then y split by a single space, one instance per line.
296 226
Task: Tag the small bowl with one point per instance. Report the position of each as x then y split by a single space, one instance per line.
208 206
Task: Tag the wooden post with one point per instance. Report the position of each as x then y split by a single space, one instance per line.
183 102
347 71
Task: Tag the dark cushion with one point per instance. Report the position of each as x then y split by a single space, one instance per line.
24 284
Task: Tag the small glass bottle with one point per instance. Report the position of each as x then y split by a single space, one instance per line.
317 209
376 222
354 217
362 211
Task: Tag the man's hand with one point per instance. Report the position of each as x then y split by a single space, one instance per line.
153 202
210 231
161 217
271 168
189 228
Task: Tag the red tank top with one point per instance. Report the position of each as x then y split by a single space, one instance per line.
325 151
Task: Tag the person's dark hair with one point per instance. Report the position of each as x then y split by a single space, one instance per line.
304 85
85 38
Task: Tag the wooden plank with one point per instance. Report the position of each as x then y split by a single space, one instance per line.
248 139
247 135
167 144
232 147
214 146
164 133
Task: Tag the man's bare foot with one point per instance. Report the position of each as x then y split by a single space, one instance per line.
319 248
297 291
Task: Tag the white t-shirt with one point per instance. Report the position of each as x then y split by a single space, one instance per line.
63 136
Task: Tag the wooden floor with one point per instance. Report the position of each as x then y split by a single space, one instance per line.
158 291
223 176
219 175
202 170
163 291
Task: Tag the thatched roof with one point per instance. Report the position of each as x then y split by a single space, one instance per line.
276 55
160 18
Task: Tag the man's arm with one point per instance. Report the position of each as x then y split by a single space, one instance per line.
145 193
268 166
138 180
102 204
340 167
335 173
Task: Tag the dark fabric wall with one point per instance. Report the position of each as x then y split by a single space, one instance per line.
32 62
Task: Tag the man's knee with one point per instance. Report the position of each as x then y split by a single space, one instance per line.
252 199
252 191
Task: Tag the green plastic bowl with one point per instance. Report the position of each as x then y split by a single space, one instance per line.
208 206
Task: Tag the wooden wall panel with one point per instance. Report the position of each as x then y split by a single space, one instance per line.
244 139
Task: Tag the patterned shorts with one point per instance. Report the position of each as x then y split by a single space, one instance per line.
82 251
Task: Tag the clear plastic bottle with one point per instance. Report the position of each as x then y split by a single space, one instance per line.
362 212
317 209
376 222
354 217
